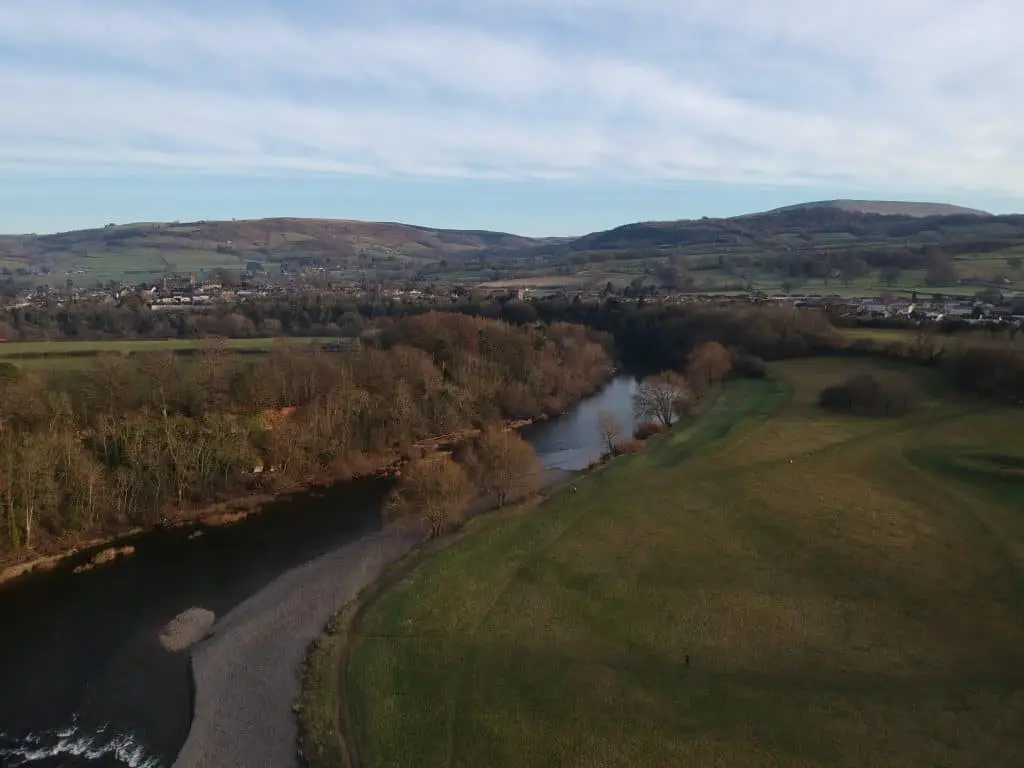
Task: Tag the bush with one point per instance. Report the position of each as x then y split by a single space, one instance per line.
629 446
748 366
995 373
647 429
866 395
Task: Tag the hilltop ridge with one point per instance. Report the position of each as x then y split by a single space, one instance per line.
882 208
388 252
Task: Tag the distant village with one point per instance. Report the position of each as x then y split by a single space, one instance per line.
187 293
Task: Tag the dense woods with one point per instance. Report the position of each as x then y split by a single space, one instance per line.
131 440
656 336
659 337
134 438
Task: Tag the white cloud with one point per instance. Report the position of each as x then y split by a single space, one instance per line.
883 94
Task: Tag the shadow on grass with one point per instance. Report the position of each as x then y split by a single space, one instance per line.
739 402
997 477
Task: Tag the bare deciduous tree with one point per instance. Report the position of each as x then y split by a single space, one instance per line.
435 488
610 429
924 340
709 364
663 397
505 465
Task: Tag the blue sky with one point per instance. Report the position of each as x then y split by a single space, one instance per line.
534 116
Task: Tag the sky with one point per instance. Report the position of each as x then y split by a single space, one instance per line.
542 117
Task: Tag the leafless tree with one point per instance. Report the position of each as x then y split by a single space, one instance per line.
610 429
436 488
709 364
924 340
663 397
505 465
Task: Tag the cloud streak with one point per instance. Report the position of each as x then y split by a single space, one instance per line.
879 94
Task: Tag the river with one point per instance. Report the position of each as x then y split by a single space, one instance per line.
84 680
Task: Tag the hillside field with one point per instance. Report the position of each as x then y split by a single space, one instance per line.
849 591
723 254
79 354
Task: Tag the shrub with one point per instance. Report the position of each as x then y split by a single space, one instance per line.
867 395
995 373
629 446
647 429
748 366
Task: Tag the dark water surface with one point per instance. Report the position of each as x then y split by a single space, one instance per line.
572 441
83 677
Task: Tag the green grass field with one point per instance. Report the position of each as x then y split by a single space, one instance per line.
79 354
850 592
951 343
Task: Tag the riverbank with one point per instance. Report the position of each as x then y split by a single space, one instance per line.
82 553
245 678
246 681
83 653
323 716
324 719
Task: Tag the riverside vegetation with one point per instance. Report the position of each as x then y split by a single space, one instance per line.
129 442
819 563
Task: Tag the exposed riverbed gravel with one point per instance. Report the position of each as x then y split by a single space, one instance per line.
247 672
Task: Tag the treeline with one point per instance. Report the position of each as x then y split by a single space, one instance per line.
131 440
658 336
654 337
648 336
304 315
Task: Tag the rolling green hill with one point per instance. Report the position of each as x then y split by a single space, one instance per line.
143 250
739 250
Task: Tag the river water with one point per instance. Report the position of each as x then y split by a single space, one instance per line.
84 680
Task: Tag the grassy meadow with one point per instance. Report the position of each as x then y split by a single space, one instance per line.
42 355
849 591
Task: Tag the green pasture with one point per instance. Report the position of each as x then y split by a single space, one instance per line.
74 355
848 591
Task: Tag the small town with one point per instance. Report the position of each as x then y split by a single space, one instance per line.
186 293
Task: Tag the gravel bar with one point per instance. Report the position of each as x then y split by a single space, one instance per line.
246 673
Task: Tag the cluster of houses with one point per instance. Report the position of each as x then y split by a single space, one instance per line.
959 309
185 292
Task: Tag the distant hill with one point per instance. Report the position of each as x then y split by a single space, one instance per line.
809 225
884 208
143 250
390 252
